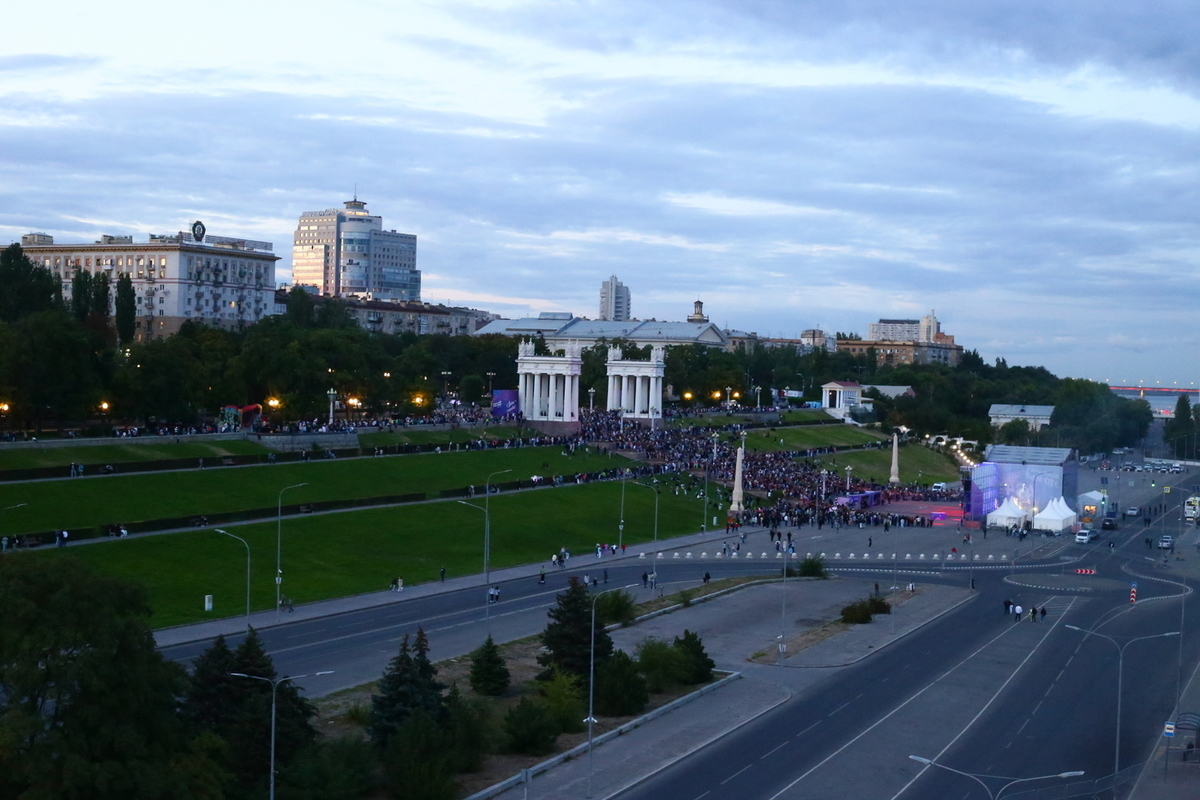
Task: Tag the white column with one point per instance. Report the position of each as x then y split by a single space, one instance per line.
522 383
556 395
544 394
537 394
627 393
572 412
639 395
612 392
656 394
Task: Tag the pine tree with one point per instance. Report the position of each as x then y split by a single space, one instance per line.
409 684
620 688
418 760
698 666
210 703
489 671
567 638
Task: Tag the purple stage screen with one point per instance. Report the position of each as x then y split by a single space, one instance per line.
505 402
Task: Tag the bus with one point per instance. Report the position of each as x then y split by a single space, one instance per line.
1191 508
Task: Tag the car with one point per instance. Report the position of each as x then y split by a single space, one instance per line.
1085 536
1177 468
938 487
1132 511
1109 524
1166 542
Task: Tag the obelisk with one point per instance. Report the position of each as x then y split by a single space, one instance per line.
895 477
736 508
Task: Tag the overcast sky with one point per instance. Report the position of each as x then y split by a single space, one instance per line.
1029 170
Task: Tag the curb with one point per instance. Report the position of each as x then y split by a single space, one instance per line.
545 766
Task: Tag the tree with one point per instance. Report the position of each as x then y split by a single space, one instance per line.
25 287
564 699
662 665
330 769
531 728
567 638
87 703
209 703
1178 430
620 688
489 671
300 310
409 685
469 728
698 667
418 762
81 294
126 310
470 389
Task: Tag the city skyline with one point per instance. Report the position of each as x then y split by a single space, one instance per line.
797 167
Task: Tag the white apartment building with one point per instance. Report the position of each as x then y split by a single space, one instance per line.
614 301
924 329
219 281
345 252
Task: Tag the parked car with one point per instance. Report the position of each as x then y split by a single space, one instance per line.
1132 511
1109 524
938 487
1166 543
1085 536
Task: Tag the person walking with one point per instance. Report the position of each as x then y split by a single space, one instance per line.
1008 604
645 579
444 574
542 577
1033 614
1043 613
606 574
1017 611
392 585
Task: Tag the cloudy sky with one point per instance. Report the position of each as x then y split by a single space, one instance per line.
1029 170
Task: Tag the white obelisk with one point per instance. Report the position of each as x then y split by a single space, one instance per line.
736 508
895 477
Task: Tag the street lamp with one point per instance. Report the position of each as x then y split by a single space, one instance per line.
487 545
979 778
621 518
332 395
1120 675
279 543
704 512
490 376
728 389
243 541
275 686
656 491
591 717
757 397
592 399
848 471
445 385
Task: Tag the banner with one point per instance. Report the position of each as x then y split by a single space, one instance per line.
505 402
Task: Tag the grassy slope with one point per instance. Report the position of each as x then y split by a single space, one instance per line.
100 454
127 498
804 437
419 436
340 554
877 464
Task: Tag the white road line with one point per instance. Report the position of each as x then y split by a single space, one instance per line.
806 730
734 775
836 710
1021 729
886 717
1035 708
764 755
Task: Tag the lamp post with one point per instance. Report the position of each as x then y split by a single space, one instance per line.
656 493
243 541
621 523
757 398
490 376
445 385
704 512
728 389
279 543
486 508
591 717
1120 676
332 395
979 778
848 471
274 687
592 399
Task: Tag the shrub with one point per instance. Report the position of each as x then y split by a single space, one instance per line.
616 607
698 667
661 665
531 728
878 605
813 567
470 730
620 688
489 671
330 769
358 714
564 699
417 760
858 613
685 597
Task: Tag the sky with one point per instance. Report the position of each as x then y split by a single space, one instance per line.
1026 169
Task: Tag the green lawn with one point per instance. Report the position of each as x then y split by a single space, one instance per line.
130 498
805 415
877 464
341 554
419 436
806 436
100 454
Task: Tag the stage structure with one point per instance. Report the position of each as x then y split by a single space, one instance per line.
549 388
635 388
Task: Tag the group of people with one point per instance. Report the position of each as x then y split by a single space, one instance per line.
1018 613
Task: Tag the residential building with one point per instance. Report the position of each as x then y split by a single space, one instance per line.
380 316
220 281
346 252
924 329
810 339
941 351
614 300
1038 417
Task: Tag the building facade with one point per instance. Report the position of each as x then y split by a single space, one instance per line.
345 251
924 329
941 351
220 281
614 301
378 316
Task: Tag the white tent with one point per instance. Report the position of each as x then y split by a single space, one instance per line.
1009 513
1056 517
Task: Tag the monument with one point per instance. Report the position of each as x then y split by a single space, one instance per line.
548 388
736 507
895 476
635 388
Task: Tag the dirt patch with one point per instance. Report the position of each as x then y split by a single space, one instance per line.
823 630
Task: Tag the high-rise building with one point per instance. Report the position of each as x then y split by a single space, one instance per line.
346 251
614 300
925 329
216 280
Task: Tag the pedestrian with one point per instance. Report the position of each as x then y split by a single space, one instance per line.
554 559
1043 613
444 574
1017 611
1008 604
645 579
870 542
606 575
392 585
587 581
1033 614
707 577
542 577
399 584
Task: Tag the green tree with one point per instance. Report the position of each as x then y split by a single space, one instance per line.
489 671
87 703
100 303
620 688
531 728
698 667
470 389
418 761
563 695
126 310
81 294
409 685
300 311
568 636
329 769
1015 432
1178 430
25 287
469 726
662 665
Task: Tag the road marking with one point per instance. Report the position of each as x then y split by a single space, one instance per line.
836 710
1021 729
734 775
1035 708
809 728
703 795
764 755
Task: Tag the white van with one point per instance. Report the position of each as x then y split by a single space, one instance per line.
938 487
